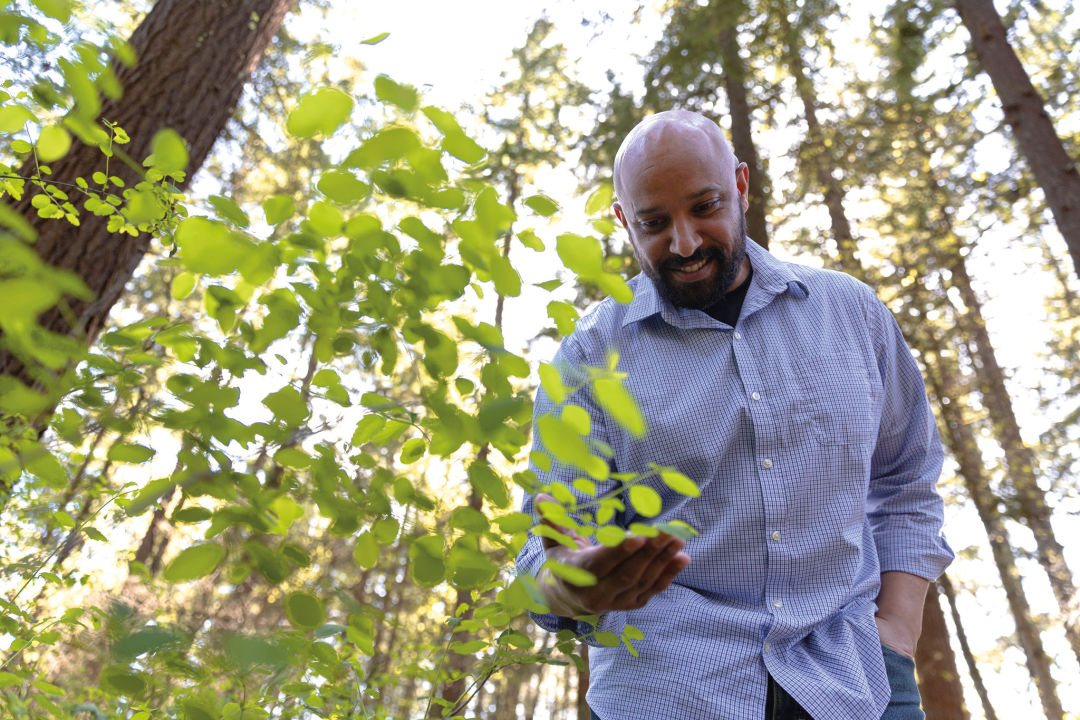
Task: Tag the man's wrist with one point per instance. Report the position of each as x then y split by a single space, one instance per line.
558 597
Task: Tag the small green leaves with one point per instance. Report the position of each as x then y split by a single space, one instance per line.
600 199
551 381
278 209
13 118
679 482
320 113
287 405
542 205
366 550
168 152
404 96
122 680
56 9
53 143
427 565
412 450
130 453
375 39
194 562
646 501
210 247
304 610
619 403
182 285
571 574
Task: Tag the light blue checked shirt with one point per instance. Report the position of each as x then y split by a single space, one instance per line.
808 431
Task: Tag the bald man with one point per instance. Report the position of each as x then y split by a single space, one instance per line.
788 395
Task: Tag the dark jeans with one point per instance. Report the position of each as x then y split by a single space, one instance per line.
903 705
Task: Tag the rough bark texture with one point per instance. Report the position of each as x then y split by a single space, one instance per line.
942 375
816 152
1025 112
583 712
1019 458
741 137
973 668
194 57
939 681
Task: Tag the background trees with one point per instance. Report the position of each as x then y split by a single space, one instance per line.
282 479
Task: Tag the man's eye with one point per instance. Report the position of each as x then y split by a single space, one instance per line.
650 223
708 205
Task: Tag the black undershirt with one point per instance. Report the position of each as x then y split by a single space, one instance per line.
727 308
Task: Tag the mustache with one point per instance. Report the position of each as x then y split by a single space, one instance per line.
676 263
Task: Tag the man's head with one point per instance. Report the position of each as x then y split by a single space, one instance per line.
681 195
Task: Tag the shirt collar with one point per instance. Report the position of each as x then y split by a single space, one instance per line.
771 276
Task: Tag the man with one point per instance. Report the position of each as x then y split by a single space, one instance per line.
788 395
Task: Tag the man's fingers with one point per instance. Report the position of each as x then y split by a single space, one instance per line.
638 594
627 562
547 542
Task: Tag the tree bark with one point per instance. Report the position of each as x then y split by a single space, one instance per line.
939 681
1025 113
973 668
1019 458
816 152
742 140
194 57
942 375
583 712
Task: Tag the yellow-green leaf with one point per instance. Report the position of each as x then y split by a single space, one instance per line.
646 501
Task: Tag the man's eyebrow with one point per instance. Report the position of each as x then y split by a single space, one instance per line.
709 190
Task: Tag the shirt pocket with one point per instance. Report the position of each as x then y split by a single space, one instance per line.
837 399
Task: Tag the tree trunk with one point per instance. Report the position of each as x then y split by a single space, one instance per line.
1019 458
939 681
817 152
194 57
1025 112
973 669
741 136
942 375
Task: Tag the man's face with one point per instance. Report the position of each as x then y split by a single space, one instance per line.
682 203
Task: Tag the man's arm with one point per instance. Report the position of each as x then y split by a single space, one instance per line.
900 609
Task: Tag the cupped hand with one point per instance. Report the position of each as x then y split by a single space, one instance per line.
627 575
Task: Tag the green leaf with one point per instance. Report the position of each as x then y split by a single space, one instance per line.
491 485
122 680
292 457
168 152
304 610
514 522
194 562
278 209
542 205
320 112
130 453
229 210
600 199
551 381
428 566
325 218
375 39
148 640
571 574
646 501
385 530
610 535
564 314
366 551
209 247
677 528
343 187
367 427
581 253
182 285
470 520
53 143
679 482
620 404
56 9
9 680
412 450
287 405
578 418
463 147
469 647
530 240
404 96
14 117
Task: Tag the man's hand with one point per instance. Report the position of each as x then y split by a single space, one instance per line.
900 608
627 575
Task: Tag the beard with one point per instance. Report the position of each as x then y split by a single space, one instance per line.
708 291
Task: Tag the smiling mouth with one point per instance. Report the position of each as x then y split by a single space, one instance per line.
693 267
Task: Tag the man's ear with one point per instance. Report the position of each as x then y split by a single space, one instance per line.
617 208
742 182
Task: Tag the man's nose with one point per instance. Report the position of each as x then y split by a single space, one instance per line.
684 238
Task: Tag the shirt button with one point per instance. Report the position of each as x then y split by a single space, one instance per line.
776 535
766 463
755 395
738 336
777 604
768 647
